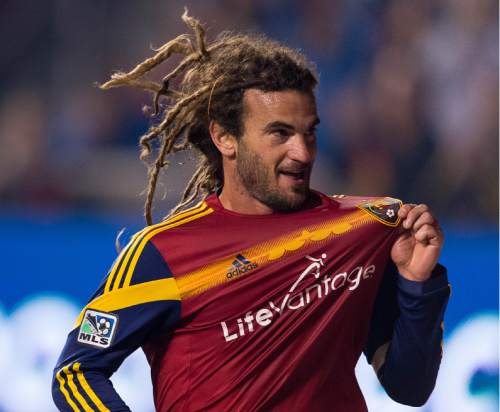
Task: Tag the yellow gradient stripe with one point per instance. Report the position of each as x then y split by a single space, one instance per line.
156 290
75 391
65 392
150 229
206 277
149 235
88 390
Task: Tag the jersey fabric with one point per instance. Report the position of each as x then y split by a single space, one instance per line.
259 313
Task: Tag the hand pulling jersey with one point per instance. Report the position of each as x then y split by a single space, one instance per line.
241 312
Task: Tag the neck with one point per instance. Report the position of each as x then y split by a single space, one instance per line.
236 199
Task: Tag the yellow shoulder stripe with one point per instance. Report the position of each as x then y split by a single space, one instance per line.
122 262
88 390
149 235
65 392
116 265
156 290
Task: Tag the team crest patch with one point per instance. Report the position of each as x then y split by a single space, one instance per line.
384 210
97 328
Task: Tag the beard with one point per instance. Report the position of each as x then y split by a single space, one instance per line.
262 184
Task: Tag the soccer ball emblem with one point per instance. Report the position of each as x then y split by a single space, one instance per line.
103 326
390 213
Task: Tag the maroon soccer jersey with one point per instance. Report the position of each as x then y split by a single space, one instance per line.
259 313
275 309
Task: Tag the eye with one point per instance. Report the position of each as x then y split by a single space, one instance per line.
281 133
311 132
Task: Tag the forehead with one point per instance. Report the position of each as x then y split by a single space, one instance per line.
290 106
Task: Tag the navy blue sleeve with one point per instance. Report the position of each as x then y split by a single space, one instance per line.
137 300
404 345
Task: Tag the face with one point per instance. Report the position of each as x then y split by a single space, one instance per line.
276 152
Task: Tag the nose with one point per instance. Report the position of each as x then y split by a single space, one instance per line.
302 149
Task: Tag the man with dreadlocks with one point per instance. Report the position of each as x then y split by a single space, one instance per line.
262 296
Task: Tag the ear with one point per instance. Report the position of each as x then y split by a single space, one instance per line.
225 142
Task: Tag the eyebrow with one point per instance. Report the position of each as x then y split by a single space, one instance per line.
280 124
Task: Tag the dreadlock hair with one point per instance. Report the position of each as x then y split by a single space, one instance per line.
213 79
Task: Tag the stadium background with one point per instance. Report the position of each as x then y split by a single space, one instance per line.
409 107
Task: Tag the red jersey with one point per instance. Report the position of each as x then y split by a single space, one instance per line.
259 313
275 309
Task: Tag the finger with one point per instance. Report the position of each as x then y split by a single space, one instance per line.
428 234
405 209
414 214
436 222
425 218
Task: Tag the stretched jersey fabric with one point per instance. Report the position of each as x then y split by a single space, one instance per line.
259 312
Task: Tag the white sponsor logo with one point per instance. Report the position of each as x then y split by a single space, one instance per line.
294 300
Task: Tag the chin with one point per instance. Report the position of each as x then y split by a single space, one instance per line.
298 201
289 202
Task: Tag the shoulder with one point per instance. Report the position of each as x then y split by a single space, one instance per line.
382 208
193 216
142 259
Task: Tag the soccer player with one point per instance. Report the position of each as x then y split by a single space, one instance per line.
263 295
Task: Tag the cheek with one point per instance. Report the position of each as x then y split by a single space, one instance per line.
271 163
313 150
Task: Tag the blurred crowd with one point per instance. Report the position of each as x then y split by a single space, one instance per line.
408 97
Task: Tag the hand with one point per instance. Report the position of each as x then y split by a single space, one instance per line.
416 250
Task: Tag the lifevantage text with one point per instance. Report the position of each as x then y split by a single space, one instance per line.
293 300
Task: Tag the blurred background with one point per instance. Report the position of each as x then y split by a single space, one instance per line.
408 99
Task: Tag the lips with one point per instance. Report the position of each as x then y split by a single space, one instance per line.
296 175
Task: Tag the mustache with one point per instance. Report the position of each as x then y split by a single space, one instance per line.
295 169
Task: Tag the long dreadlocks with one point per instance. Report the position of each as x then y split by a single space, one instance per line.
213 80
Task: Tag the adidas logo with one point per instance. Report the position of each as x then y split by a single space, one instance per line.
240 266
